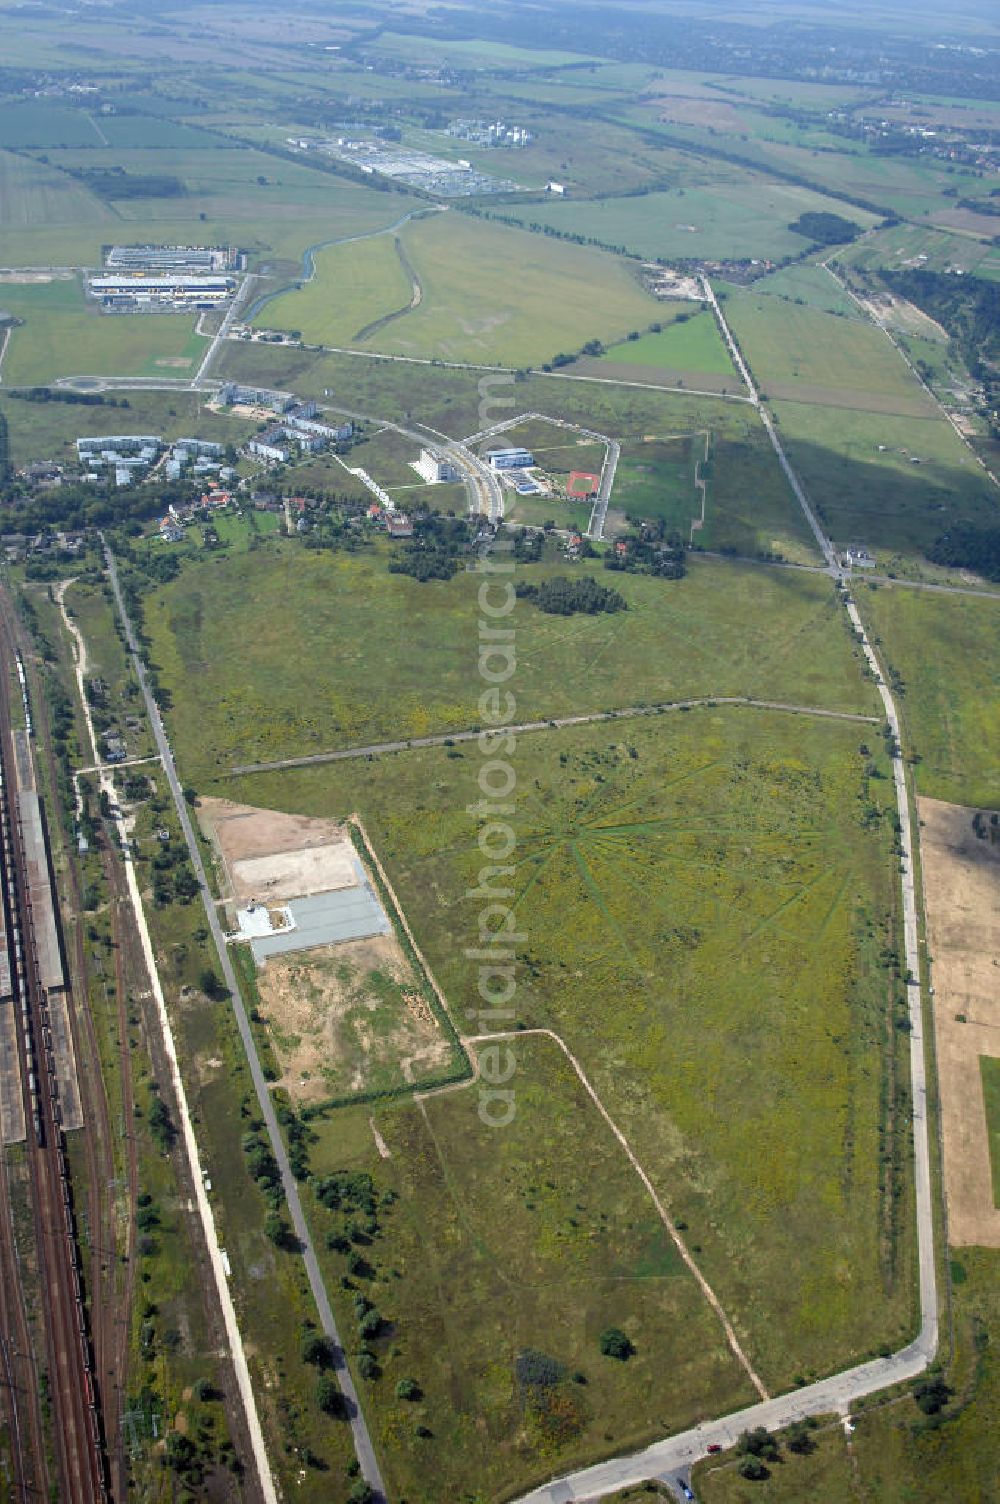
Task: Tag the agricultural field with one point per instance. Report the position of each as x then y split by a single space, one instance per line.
753 956
404 667
63 335
39 123
34 194
691 344
894 483
803 354
950 703
733 215
907 245
232 195
808 283
915 189
354 285
470 309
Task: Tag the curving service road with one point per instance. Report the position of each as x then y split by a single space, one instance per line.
671 1460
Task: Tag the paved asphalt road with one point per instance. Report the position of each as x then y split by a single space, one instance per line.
362 1439
596 528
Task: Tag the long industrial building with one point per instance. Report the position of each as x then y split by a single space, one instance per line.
128 290
153 259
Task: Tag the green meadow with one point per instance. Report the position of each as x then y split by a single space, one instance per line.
354 285
989 1066
353 655
893 482
732 213
805 354
500 1257
470 308
724 875
46 430
946 650
692 344
64 335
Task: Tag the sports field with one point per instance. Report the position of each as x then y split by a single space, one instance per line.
470 308
951 701
63 335
402 660
718 877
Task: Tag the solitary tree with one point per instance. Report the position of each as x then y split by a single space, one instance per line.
615 1344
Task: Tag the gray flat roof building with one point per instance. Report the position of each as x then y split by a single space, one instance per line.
325 919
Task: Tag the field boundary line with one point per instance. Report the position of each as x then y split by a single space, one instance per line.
644 386
678 1241
357 823
471 365
554 723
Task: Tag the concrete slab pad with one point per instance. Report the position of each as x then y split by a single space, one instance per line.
6 989
260 921
326 919
12 1128
292 874
22 757
64 1056
40 894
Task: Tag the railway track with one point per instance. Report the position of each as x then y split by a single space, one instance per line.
75 1430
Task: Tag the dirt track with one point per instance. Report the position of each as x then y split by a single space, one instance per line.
962 890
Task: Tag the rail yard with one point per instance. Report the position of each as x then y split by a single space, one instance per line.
32 976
